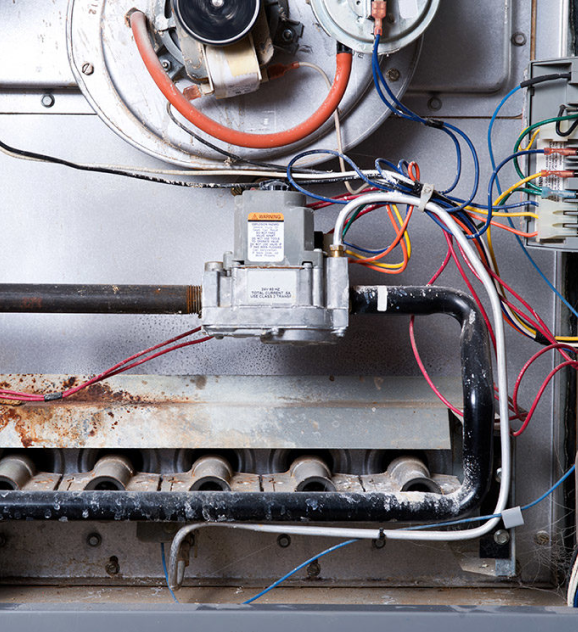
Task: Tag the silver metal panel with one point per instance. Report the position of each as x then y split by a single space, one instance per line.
33 45
232 412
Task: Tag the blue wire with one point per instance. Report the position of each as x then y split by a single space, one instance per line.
337 154
491 127
520 242
298 568
416 528
490 207
546 494
483 518
407 114
166 572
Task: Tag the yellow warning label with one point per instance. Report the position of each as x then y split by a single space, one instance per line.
266 217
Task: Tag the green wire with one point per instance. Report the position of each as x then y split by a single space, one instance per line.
525 133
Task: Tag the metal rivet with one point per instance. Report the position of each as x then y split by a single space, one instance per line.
112 566
393 74
47 100
434 104
284 541
166 64
501 537
94 539
87 68
378 544
518 39
313 570
542 538
288 35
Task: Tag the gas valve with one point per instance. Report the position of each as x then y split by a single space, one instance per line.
277 283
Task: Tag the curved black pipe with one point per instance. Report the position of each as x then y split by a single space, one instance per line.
328 506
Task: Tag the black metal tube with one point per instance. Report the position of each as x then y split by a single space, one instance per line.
100 299
328 506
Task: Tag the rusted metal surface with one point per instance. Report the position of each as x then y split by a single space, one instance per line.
205 412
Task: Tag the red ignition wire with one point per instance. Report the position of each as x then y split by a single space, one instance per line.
138 24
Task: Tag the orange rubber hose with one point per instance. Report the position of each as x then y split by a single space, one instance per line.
138 24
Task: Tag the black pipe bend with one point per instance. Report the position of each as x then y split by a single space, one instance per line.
328 506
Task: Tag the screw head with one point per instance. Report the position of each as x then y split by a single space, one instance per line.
47 100
379 543
284 540
288 35
393 74
166 64
501 537
542 538
313 570
94 539
435 104
112 566
518 39
87 68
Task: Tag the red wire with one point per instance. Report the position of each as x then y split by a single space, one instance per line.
525 368
120 367
414 348
471 288
424 372
538 397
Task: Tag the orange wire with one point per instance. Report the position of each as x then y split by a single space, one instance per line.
395 242
399 232
520 233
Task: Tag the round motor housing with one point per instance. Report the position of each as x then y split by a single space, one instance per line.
217 22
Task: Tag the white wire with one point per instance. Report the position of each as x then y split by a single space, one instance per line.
573 584
406 534
338 136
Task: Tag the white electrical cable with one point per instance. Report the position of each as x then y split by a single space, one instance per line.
406 534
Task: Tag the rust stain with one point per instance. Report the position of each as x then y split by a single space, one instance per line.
8 416
32 302
200 381
101 393
69 383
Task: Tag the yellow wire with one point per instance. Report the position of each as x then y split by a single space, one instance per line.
478 211
389 266
504 195
529 146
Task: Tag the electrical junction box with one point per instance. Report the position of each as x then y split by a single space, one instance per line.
276 284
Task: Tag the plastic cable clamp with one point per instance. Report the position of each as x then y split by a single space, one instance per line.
425 196
512 517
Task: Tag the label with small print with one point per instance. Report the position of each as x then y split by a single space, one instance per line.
272 287
266 237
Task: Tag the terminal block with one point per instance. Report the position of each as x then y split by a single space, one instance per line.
556 226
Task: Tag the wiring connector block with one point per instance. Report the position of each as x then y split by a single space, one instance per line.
557 220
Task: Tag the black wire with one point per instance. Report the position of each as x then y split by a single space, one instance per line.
116 172
149 178
572 127
224 152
